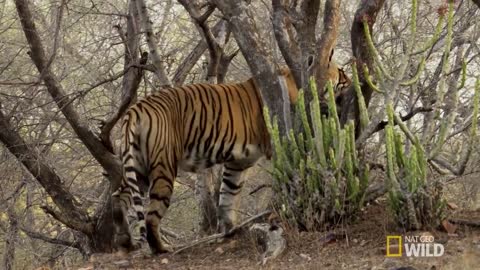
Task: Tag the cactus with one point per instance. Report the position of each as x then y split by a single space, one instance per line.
321 180
414 201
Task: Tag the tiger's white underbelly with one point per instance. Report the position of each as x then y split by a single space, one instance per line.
194 161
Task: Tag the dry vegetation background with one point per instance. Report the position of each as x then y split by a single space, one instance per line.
84 44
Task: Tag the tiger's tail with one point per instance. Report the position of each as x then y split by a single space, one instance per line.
129 194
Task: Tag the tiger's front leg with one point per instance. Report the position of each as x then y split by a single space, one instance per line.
229 190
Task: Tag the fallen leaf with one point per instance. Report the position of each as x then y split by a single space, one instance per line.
232 244
449 227
452 206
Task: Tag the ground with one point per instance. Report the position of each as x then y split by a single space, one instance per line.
360 245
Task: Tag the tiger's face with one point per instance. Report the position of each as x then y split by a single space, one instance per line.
336 75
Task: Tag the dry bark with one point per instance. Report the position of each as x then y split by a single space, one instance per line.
193 57
331 20
215 47
366 12
152 42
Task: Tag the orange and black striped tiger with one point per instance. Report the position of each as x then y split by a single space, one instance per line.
190 128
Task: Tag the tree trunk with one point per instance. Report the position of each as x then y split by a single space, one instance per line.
207 188
98 229
192 58
10 239
258 57
367 11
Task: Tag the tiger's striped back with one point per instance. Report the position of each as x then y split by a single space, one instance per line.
190 128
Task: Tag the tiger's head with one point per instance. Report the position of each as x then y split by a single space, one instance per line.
336 75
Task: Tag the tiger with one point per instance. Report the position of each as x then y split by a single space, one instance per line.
190 128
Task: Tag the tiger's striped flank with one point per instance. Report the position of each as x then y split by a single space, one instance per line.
190 128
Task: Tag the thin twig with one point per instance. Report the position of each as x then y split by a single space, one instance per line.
404 118
465 222
262 186
222 235
169 233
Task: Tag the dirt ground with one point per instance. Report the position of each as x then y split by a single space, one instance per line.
361 245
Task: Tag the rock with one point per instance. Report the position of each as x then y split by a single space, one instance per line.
164 261
389 263
123 263
90 267
219 250
270 237
305 256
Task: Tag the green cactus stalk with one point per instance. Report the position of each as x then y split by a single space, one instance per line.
317 174
361 101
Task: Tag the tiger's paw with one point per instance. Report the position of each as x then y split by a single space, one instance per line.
158 247
135 245
162 249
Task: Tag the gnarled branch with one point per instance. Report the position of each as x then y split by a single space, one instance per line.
37 53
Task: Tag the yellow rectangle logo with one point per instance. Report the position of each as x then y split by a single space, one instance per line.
391 238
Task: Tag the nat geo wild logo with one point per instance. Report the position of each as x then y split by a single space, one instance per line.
413 246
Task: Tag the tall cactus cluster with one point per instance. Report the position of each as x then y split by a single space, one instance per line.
319 176
415 198
414 203
317 173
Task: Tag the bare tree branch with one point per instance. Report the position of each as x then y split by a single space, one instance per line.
55 241
152 42
75 217
328 40
283 30
214 47
366 12
192 58
406 117
101 153
222 235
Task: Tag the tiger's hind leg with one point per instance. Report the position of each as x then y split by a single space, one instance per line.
161 189
129 195
121 202
229 190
